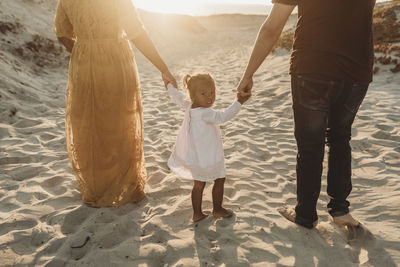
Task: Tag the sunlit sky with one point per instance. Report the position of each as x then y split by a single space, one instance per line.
191 7
204 7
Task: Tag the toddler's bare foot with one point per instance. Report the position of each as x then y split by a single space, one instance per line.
346 220
199 217
224 213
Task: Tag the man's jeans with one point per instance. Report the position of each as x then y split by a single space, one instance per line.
323 108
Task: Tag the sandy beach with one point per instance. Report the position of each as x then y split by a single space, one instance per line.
44 223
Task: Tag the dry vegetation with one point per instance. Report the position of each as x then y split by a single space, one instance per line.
40 50
387 35
10 27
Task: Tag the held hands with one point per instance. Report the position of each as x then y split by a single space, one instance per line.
168 78
243 97
244 89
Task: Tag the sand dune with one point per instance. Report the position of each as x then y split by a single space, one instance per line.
43 221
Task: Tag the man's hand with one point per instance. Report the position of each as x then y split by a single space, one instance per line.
168 78
243 97
268 35
245 86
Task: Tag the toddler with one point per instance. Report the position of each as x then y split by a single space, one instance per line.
198 153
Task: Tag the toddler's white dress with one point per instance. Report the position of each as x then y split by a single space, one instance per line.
198 153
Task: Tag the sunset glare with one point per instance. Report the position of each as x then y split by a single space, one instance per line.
190 7
170 6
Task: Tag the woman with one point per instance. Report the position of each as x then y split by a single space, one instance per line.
104 127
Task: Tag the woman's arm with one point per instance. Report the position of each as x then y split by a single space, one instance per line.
147 48
267 37
67 42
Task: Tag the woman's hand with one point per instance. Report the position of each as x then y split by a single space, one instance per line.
169 78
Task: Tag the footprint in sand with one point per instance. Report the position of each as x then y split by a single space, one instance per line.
156 178
47 137
385 136
40 237
75 219
26 172
26 123
54 185
4 132
17 224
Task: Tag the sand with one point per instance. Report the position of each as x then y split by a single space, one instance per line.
44 223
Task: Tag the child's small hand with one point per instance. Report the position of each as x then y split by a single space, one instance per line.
243 97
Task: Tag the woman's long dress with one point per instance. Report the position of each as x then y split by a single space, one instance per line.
104 127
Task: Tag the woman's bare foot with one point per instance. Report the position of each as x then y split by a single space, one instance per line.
346 220
224 213
199 217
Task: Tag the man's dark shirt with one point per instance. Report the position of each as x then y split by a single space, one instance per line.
333 38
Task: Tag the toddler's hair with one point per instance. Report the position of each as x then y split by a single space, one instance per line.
195 82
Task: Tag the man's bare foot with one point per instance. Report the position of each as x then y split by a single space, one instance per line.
346 220
199 217
290 214
224 213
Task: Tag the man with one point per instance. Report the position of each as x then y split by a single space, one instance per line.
331 67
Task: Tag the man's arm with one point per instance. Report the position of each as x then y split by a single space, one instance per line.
266 39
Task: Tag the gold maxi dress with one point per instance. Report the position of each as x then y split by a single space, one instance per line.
104 123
